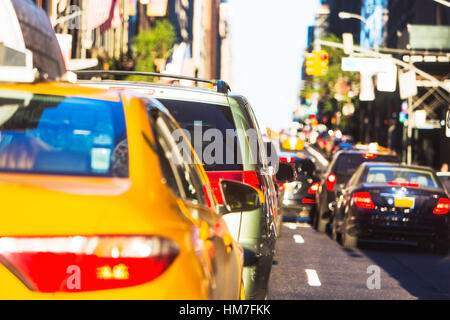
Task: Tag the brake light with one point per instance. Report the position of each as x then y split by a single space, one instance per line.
287 159
253 178
402 184
75 264
308 201
369 155
331 182
363 200
216 176
442 207
314 187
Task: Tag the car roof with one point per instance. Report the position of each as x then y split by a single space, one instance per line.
162 91
360 152
396 165
64 89
293 155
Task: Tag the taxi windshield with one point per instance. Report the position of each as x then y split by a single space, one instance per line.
47 134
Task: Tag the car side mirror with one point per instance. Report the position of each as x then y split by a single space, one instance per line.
286 173
239 197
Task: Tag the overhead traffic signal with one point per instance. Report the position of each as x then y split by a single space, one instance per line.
317 63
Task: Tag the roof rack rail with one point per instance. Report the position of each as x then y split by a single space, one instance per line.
221 85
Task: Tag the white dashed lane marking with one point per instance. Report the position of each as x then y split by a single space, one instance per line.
298 238
313 278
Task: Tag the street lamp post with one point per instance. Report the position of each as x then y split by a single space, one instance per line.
348 15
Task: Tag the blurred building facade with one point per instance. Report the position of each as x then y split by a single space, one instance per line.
420 33
92 32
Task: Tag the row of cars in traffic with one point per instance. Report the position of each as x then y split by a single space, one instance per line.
366 193
136 190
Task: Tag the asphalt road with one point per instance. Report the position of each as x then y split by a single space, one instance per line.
310 265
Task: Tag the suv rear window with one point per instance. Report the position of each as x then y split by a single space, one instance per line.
346 163
47 134
199 117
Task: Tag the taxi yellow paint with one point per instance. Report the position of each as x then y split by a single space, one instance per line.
50 205
293 143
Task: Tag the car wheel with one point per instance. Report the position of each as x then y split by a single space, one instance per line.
424 246
349 241
441 247
322 225
335 235
313 217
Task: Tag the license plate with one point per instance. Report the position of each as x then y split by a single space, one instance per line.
404 202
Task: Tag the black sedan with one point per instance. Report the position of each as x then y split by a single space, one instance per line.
388 201
339 171
299 196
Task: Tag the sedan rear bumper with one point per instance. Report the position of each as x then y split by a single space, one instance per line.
376 225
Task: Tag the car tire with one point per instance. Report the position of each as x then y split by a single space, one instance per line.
441 247
349 241
322 225
335 235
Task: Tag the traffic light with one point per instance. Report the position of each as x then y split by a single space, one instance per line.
323 62
310 63
308 99
317 63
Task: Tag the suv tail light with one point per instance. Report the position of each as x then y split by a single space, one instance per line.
252 178
75 264
216 176
314 187
363 200
442 207
331 182
287 159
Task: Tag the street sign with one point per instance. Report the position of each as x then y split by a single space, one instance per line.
347 40
367 92
407 84
366 65
387 81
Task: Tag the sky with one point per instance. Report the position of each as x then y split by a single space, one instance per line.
268 38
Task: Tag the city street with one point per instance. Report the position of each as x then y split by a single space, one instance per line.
310 265
194 150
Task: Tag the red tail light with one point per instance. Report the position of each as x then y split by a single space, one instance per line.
314 187
442 207
308 201
253 178
331 182
75 264
369 155
216 176
363 200
287 159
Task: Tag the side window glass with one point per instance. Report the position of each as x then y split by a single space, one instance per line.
176 172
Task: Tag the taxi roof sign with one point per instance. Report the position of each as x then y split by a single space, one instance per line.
16 64
26 29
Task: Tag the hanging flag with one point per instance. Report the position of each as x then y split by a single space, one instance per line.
104 14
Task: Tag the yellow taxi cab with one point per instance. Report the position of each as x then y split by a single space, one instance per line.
98 204
97 200
292 143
